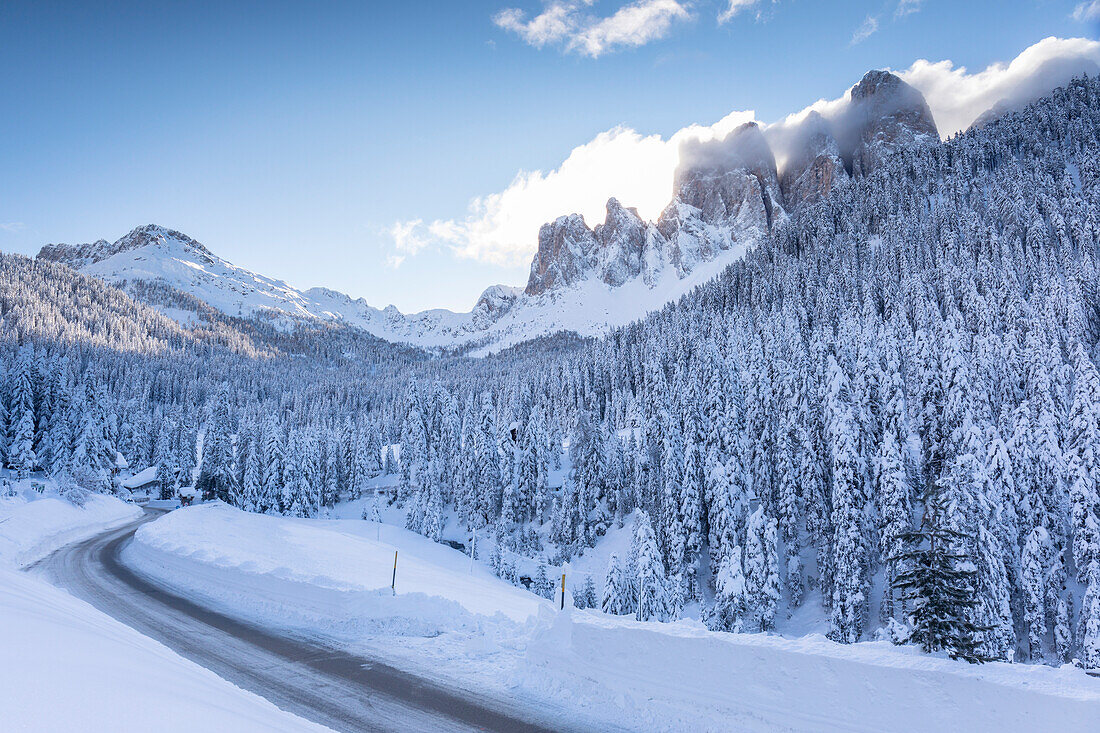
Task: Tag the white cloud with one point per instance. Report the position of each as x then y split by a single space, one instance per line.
408 239
12 226
552 25
568 24
908 7
736 7
958 97
1087 11
638 169
865 31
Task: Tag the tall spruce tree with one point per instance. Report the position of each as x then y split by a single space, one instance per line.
938 584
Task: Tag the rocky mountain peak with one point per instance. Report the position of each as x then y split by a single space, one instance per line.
885 114
726 192
621 240
569 251
82 255
727 197
714 176
815 165
493 303
617 218
878 83
562 258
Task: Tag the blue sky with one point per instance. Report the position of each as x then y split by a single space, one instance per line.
292 137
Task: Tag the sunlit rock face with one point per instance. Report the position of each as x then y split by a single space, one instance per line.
565 246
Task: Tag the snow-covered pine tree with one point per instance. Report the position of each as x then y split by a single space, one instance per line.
849 560
1083 465
1037 557
937 581
434 514
414 448
1090 619
89 464
389 463
996 634
723 530
788 500
272 465
617 590
730 595
164 458
588 596
672 522
1001 495
587 475
216 473
511 496
486 465
894 491
652 584
60 432
691 510
20 453
250 481
542 584
369 454
330 472
762 569
1063 630
4 419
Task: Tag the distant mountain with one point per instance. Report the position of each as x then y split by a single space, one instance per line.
728 196
153 254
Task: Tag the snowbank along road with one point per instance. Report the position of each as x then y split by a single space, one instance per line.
334 688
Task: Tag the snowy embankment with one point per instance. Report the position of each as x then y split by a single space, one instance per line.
33 525
456 620
64 666
687 677
322 574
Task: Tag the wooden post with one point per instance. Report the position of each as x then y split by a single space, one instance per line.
393 583
563 591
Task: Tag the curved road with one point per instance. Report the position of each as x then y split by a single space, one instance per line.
331 687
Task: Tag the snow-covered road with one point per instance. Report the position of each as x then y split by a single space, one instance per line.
337 689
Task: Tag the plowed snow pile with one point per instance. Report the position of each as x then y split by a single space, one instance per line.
33 525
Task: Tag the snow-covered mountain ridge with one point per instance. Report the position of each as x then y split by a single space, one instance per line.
157 254
728 196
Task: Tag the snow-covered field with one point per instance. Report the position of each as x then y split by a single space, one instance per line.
64 666
33 524
454 620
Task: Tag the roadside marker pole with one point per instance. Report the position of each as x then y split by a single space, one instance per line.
393 583
563 591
